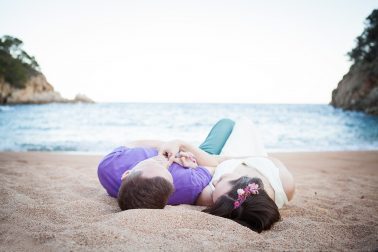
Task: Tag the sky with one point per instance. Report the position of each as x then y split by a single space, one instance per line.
190 51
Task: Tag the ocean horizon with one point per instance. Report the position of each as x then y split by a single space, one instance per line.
100 127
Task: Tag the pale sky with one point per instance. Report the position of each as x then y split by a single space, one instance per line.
190 51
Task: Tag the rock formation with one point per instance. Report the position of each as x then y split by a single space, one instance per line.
21 80
358 90
36 91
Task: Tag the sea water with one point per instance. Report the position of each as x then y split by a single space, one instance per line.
98 128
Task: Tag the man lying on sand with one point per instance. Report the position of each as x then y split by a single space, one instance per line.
242 189
140 178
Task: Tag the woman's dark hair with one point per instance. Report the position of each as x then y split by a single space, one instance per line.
258 212
139 192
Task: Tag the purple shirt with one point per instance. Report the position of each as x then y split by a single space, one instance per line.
188 182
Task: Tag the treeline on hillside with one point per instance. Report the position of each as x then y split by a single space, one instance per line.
366 49
358 89
16 66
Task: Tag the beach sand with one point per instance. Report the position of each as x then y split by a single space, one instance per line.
53 201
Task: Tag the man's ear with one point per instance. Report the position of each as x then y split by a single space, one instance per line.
124 175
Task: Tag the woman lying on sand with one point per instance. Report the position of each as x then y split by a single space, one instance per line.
242 189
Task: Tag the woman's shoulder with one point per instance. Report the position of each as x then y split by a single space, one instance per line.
286 177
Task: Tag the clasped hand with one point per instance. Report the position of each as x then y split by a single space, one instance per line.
171 150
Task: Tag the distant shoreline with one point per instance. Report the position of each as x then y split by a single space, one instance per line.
163 103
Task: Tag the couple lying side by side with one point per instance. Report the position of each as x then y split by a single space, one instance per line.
230 174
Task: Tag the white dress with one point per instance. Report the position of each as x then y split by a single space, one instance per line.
245 141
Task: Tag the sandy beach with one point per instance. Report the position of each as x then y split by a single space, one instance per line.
54 202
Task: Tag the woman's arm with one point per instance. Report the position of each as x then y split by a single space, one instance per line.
286 178
169 149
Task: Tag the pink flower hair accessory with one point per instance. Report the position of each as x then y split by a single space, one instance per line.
252 188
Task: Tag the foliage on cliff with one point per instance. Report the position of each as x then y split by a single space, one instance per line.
366 49
358 90
16 66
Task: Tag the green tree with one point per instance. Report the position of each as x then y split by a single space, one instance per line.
366 49
16 66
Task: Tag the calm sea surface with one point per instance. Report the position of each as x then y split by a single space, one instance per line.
98 128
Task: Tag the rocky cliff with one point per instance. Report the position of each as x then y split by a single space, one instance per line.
358 90
36 91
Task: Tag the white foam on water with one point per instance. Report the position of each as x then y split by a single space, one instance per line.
98 128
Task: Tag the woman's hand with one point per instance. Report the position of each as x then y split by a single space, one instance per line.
186 159
170 150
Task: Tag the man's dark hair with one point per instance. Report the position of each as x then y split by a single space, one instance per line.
139 192
258 212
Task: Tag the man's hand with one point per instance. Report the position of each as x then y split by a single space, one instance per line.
186 159
170 150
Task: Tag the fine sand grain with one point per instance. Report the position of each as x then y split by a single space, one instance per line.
53 202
